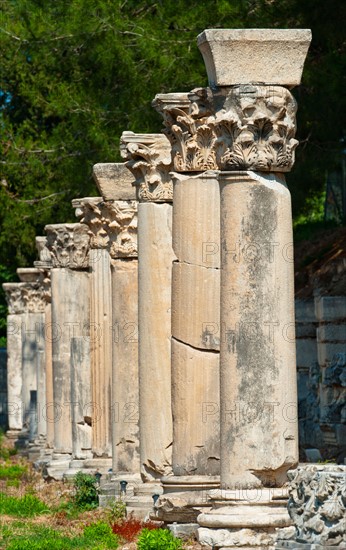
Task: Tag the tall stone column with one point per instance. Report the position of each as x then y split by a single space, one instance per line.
252 143
68 245
195 320
113 227
149 160
16 308
32 353
45 397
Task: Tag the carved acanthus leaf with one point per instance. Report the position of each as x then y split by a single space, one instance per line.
112 225
246 127
149 159
68 245
25 297
317 505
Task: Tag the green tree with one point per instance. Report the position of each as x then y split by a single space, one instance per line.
76 74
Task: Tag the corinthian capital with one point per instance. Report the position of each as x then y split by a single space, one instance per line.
246 127
25 297
149 159
112 225
68 245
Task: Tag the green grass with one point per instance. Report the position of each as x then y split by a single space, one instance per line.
97 536
12 471
27 506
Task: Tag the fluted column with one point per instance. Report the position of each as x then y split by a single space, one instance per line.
148 157
68 245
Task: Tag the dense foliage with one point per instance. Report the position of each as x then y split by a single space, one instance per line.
77 73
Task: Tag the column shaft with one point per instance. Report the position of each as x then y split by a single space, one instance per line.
14 371
259 440
101 351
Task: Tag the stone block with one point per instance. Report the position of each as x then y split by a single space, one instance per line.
195 407
196 231
196 306
330 308
332 333
244 56
326 352
306 330
305 311
114 181
306 350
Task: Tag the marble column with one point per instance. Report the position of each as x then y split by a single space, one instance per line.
68 245
148 157
253 143
46 390
195 323
32 351
16 308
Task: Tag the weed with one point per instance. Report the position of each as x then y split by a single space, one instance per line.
101 532
116 511
12 471
129 528
86 496
27 506
158 539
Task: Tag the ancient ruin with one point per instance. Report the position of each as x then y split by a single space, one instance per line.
154 340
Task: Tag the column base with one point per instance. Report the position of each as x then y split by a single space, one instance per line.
57 466
244 518
184 498
111 490
141 504
102 465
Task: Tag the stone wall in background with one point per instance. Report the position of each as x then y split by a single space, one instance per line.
321 371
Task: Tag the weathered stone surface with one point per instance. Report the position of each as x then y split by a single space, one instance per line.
101 351
306 350
70 318
259 439
125 386
246 127
317 504
266 56
32 344
114 181
305 311
81 397
196 231
149 159
112 225
41 392
49 374
196 305
154 285
326 352
30 275
14 372
43 252
68 245
235 538
330 308
331 333
195 407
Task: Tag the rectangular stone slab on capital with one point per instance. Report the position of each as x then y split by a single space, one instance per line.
114 181
244 56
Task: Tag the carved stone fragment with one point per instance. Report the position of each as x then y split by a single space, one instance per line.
317 504
149 159
247 127
68 245
112 225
